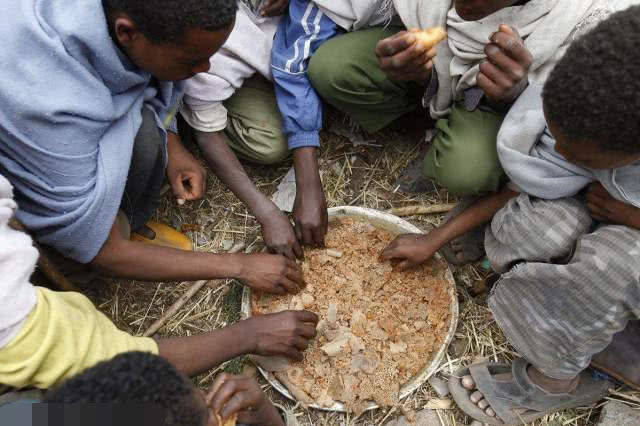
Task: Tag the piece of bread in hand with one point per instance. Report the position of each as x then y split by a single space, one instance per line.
429 37
231 422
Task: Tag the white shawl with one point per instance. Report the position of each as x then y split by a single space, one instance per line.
548 27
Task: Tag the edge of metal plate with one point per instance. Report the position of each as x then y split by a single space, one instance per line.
396 226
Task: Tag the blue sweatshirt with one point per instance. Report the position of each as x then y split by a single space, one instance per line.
299 35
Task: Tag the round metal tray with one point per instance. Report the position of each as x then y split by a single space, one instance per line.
396 226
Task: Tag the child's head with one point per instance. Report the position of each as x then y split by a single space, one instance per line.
592 98
171 39
136 379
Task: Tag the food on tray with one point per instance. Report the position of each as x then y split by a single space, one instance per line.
378 328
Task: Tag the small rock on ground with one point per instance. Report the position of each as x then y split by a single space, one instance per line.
619 414
423 418
440 386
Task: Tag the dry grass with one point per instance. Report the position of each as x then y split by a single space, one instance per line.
361 176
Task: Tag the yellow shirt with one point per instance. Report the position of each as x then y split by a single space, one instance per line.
63 335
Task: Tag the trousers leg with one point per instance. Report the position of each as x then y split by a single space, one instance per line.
558 315
345 73
464 156
254 123
146 173
534 230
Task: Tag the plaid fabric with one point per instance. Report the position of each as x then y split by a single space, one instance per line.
569 284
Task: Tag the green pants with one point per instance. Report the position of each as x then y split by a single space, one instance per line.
463 158
254 125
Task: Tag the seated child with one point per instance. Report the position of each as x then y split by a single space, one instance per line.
139 388
234 96
565 233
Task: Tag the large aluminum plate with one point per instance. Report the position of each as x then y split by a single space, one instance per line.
396 226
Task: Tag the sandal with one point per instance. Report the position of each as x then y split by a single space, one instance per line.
519 393
472 242
164 236
621 359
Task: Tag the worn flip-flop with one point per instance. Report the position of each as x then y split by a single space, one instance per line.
165 236
519 393
472 242
621 359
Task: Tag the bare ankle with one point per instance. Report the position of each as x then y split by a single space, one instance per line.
550 384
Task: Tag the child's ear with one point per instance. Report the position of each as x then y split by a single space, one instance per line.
125 30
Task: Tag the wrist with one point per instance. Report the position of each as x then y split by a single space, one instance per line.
246 333
235 265
272 416
305 163
265 211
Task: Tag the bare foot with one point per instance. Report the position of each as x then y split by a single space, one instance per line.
544 382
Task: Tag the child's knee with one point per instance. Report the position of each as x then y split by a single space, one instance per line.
277 152
329 70
614 250
463 172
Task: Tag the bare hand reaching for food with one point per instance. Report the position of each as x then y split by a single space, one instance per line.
285 333
280 237
241 398
504 75
271 273
408 55
412 249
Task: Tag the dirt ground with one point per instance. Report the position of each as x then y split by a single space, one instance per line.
352 175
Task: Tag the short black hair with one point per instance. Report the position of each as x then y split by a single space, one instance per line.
134 378
167 21
593 94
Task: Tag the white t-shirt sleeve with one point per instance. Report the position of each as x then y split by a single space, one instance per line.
210 118
18 258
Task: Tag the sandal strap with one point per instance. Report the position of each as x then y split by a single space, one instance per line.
521 392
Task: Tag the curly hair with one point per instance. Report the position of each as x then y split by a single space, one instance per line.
134 378
166 21
593 94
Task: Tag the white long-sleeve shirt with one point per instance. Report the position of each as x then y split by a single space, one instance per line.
246 51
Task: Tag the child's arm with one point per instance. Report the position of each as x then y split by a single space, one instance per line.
277 232
605 208
414 249
299 35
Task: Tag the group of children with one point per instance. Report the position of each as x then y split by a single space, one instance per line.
535 103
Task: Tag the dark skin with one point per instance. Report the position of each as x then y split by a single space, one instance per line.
310 208
235 395
502 76
278 234
123 258
274 7
285 333
243 396
411 250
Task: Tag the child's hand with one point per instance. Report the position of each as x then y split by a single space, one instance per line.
274 7
231 395
411 249
605 208
504 75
